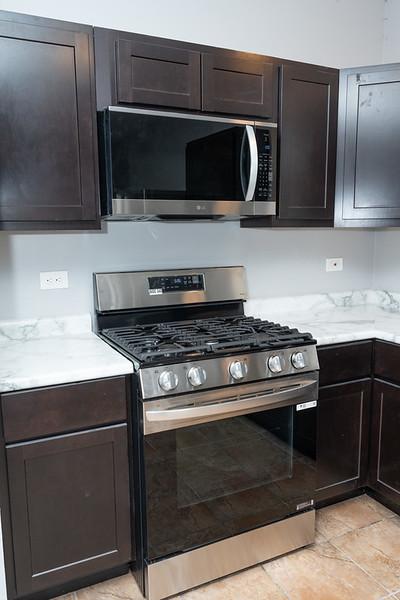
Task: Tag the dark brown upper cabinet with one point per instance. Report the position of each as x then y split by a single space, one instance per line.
368 175
238 83
48 151
307 123
149 73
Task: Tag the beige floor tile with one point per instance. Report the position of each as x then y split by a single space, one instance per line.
340 518
253 584
67 597
322 572
119 588
377 550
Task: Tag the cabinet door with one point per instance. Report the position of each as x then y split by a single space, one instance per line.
70 507
148 73
342 441
369 147
234 83
308 119
385 441
47 115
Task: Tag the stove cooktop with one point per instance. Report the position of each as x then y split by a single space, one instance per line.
163 343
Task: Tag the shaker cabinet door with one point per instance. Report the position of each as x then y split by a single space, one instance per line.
238 84
69 507
368 186
308 119
342 443
149 73
48 149
385 442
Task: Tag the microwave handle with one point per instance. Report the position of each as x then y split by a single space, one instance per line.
251 188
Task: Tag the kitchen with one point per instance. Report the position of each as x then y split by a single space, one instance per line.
66 392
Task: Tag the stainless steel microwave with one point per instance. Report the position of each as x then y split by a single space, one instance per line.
165 165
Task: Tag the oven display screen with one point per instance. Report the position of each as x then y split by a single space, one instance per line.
176 283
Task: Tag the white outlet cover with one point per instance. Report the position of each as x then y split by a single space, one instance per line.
334 264
53 280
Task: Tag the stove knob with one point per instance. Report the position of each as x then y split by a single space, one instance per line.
238 369
298 360
275 364
196 376
168 381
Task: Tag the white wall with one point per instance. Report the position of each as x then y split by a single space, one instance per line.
332 32
391 31
335 33
386 271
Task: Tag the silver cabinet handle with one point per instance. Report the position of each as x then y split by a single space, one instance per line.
251 136
254 403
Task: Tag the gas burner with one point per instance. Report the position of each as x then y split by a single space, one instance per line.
165 342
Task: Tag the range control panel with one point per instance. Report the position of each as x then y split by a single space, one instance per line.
265 188
176 283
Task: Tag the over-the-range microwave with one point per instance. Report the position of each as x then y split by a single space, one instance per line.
166 165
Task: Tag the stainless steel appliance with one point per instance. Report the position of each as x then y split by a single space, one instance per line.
159 165
224 411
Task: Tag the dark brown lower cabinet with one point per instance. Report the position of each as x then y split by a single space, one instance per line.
342 442
70 512
384 474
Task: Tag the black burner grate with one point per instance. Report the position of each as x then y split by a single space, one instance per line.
167 342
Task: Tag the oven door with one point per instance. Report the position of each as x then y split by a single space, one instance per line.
223 462
163 164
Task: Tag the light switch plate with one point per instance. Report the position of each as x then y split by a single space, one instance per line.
53 280
334 264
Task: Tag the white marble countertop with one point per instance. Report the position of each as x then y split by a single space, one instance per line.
335 318
46 352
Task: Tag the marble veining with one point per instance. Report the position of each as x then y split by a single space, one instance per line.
43 352
337 317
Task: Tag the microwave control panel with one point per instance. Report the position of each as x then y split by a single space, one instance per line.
265 180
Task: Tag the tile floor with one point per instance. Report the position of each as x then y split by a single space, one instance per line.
356 557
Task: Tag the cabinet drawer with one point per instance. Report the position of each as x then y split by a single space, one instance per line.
344 362
387 361
64 408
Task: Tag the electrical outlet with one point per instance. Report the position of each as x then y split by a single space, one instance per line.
334 264
53 280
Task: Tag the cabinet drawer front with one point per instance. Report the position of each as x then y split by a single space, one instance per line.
70 507
387 361
158 75
344 362
236 85
49 411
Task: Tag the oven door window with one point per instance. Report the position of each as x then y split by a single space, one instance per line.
167 158
211 481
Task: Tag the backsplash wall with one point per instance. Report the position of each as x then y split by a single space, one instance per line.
278 262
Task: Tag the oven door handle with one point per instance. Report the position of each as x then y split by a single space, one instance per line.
220 410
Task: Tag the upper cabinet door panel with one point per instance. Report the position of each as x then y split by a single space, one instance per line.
369 175
159 75
308 119
47 148
236 84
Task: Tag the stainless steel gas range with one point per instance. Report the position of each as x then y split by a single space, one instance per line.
224 424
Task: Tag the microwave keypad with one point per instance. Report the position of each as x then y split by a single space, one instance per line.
264 189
